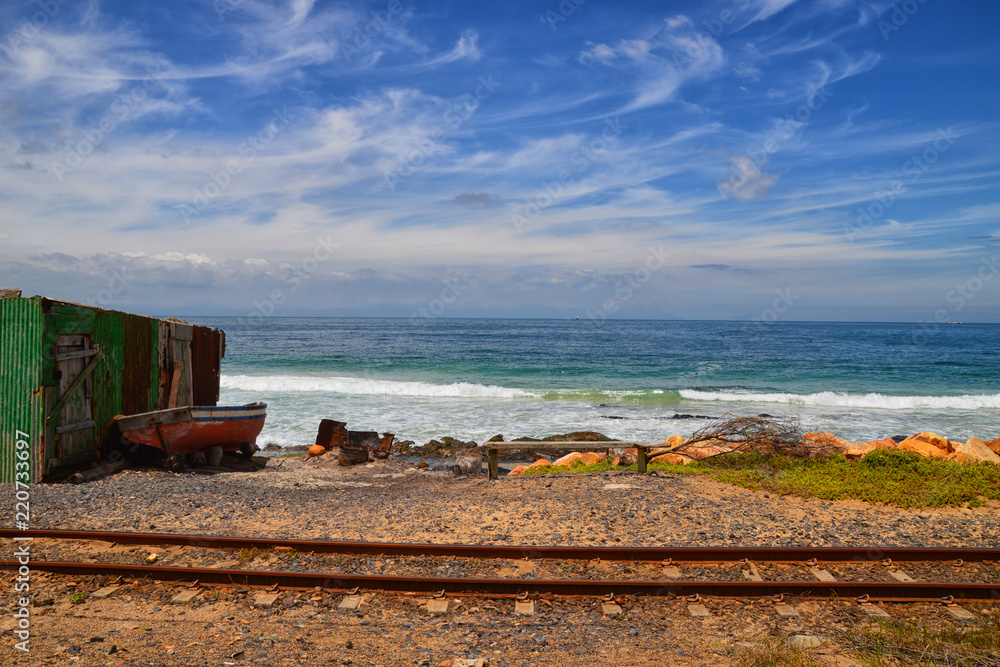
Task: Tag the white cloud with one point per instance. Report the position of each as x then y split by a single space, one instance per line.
768 8
675 54
599 53
747 71
747 181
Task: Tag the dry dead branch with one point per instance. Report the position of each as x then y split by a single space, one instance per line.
762 435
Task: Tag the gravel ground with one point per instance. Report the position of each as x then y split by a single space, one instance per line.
393 501
390 501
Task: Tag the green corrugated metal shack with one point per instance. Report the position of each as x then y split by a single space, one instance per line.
66 370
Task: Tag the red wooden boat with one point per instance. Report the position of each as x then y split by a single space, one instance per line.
193 428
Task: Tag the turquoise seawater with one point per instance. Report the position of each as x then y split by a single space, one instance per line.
475 378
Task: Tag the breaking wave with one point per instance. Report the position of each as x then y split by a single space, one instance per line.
352 385
842 400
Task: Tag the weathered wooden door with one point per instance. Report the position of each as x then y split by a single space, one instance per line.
73 412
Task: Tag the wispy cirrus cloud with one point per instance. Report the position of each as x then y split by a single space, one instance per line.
370 90
672 55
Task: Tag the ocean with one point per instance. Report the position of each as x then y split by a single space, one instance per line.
629 379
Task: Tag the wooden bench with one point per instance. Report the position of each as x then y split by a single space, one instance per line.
570 445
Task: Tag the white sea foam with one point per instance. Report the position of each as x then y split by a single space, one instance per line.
843 400
352 385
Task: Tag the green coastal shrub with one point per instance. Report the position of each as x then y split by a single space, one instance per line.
892 477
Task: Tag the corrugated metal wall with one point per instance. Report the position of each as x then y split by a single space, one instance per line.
20 381
133 375
207 349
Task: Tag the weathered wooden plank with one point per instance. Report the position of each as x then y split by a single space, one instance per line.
574 444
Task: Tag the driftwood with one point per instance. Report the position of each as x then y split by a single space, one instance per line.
98 471
761 435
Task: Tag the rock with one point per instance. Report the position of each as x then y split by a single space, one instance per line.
974 451
825 438
42 599
623 458
938 441
857 450
579 436
315 450
213 455
920 445
519 470
175 462
568 460
804 641
672 459
467 465
601 456
994 445
675 440
248 449
589 459
701 452
197 460
539 463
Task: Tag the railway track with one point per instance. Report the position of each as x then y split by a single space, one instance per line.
676 554
822 584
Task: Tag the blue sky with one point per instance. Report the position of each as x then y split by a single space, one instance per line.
741 159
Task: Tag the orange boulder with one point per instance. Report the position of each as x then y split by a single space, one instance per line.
922 447
539 463
675 440
826 438
974 451
994 445
316 450
568 460
938 441
519 470
672 459
857 450
589 459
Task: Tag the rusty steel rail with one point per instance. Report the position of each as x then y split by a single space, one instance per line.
887 591
678 554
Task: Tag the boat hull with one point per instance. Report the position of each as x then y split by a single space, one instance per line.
196 428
